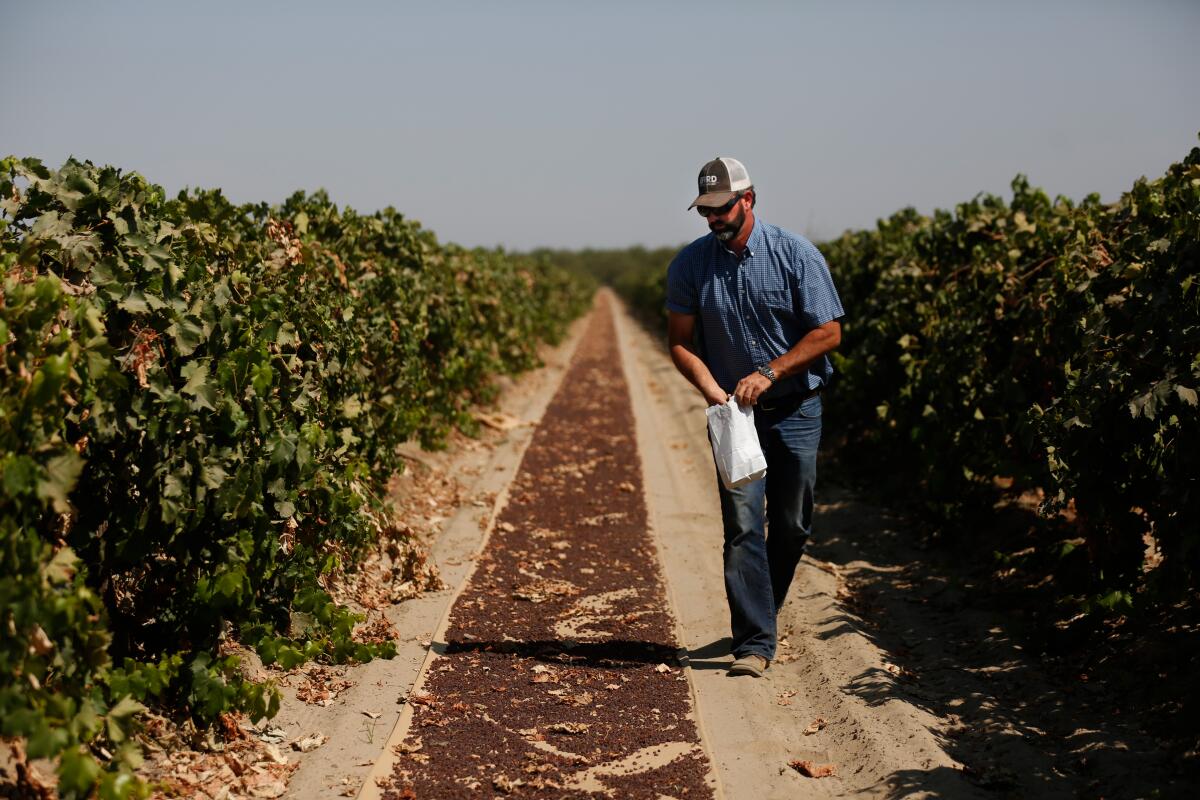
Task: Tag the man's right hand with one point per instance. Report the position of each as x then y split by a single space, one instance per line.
716 400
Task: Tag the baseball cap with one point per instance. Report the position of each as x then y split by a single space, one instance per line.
721 179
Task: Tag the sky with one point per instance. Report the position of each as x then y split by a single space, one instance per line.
567 124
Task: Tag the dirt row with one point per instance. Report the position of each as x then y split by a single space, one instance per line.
559 674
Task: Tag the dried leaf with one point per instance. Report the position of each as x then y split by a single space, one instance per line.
810 770
275 754
817 724
306 744
505 784
39 642
269 790
408 747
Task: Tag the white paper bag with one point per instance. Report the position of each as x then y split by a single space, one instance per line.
735 444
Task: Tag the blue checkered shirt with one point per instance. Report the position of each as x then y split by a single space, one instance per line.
753 308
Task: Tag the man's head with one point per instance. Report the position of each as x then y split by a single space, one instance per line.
726 196
720 180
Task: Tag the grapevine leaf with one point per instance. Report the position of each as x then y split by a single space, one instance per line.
20 474
61 474
126 707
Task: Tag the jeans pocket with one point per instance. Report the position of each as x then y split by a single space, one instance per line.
811 407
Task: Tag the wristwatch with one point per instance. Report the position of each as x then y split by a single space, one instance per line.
766 371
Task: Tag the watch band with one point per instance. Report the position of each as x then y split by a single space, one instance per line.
768 373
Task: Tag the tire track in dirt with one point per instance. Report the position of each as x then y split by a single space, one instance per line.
559 675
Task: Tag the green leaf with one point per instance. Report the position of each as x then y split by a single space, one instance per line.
46 740
285 450
126 707
229 583
188 333
1186 395
51 225
351 407
195 373
61 568
289 657
213 476
135 303
197 386
61 474
50 379
262 378
77 773
287 336
20 474
122 785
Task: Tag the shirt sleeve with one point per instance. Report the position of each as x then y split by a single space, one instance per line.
818 296
681 290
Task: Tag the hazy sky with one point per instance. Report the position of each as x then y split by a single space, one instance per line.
574 124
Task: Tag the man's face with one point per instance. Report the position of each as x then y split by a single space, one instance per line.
726 226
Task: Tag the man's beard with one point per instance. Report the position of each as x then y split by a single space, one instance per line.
725 231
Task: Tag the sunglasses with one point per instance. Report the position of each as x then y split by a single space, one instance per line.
705 211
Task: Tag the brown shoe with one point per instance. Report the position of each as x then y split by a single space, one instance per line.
752 664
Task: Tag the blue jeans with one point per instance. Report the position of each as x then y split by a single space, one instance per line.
763 548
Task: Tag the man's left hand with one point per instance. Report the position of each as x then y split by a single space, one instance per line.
750 388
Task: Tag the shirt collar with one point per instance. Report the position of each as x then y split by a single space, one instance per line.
752 243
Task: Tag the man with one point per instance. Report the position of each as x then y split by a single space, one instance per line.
753 314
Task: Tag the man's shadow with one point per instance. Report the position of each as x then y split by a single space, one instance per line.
703 657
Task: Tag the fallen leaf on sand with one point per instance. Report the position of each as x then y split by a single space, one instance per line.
272 735
570 727
306 744
408 747
662 668
810 770
499 421
817 724
275 754
269 790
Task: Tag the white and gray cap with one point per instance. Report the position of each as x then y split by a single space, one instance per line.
720 180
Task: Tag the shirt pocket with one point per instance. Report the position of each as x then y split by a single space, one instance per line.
775 302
